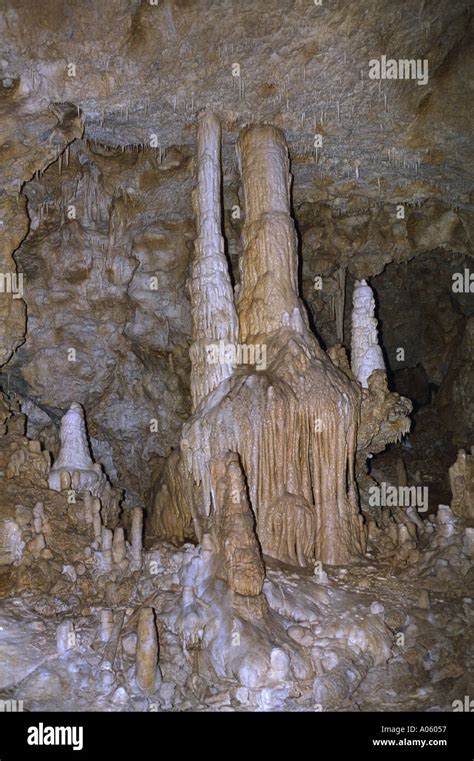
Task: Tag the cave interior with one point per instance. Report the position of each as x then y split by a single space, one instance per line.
289 531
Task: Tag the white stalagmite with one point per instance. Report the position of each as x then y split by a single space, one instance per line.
212 306
107 537
74 467
366 354
118 545
106 625
65 637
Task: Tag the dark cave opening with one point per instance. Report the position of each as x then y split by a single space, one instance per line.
424 326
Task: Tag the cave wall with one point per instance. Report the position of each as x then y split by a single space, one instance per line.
106 257
106 261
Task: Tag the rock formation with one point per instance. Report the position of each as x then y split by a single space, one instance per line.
461 479
73 468
214 320
305 509
147 649
366 354
262 512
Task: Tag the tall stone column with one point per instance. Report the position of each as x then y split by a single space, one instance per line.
212 306
290 424
268 297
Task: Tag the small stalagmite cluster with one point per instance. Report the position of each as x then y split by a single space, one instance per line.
71 542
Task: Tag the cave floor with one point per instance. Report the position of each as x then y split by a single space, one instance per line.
426 672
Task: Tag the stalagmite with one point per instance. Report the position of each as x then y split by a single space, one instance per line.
340 304
424 599
461 479
118 545
468 544
96 520
366 354
291 420
268 299
137 537
65 637
402 476
64 480
147 650
106 547
74 464
241 552
212 305
106 625
88 515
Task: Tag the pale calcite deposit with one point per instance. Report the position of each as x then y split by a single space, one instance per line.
73 468
214 319
366 354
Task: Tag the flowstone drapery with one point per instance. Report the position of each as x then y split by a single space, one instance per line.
284 434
